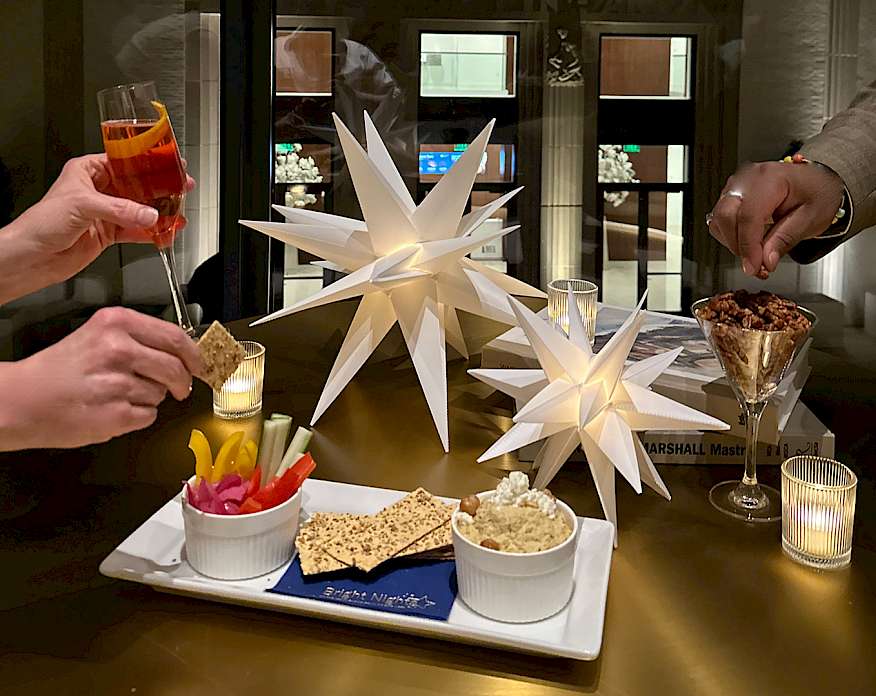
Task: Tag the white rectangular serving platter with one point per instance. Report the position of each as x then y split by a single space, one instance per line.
154 555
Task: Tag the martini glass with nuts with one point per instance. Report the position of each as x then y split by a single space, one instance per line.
755 336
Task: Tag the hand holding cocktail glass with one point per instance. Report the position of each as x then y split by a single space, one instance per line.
108 376
145 166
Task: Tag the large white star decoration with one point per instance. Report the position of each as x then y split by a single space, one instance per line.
408 262
592 400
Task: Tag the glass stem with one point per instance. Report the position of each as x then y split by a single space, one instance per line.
179 303
753 412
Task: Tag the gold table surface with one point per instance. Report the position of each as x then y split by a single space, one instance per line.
697 603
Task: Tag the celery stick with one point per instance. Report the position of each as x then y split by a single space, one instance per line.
290 460
266 447
284 426
287 420
301 440
296 448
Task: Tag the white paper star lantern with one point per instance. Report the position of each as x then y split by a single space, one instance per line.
408 262
591 400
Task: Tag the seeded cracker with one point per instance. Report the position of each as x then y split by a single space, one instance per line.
221 355
372 541
320 528
437 543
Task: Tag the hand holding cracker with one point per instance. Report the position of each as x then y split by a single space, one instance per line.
105 379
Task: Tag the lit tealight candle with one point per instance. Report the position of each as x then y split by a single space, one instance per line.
584 293
818 511
241 395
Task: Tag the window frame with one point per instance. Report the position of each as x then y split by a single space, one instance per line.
519 112
710 136
464 32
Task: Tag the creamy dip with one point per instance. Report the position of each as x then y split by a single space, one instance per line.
516 519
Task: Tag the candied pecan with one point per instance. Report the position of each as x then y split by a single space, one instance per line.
762 311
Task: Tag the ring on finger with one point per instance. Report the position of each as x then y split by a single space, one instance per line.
733 193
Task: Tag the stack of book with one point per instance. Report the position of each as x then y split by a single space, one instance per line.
788 427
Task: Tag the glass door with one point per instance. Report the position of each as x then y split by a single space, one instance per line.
646 116
468 76
304 139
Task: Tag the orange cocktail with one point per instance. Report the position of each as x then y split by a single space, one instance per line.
146 167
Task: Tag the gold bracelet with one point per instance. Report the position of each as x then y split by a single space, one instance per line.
800 159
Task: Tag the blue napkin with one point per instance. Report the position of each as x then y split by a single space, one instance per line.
422 589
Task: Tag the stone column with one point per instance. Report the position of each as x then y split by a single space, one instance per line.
562 173
841 84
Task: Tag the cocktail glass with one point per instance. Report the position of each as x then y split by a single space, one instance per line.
754 361
146 167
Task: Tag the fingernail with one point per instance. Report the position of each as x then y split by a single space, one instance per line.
746 267
774 259
146 216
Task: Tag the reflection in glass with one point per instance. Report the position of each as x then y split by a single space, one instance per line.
645 66
467 65
303 62
665 246
665 213
497 165
620 266
302 164
645 163
491 253
664 292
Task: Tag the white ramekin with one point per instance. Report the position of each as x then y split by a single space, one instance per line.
516 587
236 547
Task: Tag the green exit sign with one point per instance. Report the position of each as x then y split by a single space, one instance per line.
632 148
460 148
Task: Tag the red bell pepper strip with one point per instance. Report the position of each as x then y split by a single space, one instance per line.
254 482
281 489
250 505
295 476
268 496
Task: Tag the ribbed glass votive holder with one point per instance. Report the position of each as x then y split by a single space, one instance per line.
241 395
584 293
818 511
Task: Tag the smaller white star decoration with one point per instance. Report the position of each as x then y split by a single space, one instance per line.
592 400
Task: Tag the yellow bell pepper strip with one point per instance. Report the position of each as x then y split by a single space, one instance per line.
224 463
244 464
253 450
203 456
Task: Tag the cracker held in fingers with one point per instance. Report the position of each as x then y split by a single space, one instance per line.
220 353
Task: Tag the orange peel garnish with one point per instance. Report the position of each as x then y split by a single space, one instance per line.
140 144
